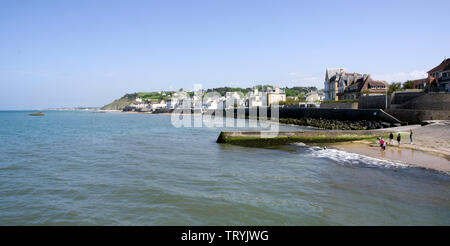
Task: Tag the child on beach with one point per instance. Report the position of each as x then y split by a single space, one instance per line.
382 144
399 139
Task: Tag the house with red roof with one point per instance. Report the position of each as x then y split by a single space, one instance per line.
363 85
439 76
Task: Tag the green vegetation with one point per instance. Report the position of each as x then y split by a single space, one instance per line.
121 103
263 87
398 86
405 136
155 96
291 101
395 86
408 85
299 92
223 90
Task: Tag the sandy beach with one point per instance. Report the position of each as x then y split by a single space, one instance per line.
431 147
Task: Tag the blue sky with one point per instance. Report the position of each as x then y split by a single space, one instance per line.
87 53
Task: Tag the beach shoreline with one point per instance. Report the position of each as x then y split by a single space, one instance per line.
430 149
412 157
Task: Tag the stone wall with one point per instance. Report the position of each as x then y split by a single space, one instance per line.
429 101
402 97
338 114
415 116
316 113
338 105
374 102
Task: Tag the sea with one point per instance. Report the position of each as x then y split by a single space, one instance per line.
91 168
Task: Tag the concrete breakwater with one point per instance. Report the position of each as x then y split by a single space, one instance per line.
256 139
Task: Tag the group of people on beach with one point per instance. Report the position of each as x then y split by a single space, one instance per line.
391 140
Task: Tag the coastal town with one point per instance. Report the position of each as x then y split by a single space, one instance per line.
427 97
373 111
228 120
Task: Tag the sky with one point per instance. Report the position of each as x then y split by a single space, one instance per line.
88 53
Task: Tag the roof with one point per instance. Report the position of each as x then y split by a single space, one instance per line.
377 82
445 65
333 71
353 74
362 84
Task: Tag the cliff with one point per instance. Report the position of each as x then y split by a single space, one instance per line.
121 103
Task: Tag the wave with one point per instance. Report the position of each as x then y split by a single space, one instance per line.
347 158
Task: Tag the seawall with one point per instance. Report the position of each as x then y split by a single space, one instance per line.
416 116
316 113
339 105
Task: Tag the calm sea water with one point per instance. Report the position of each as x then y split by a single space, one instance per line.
85 168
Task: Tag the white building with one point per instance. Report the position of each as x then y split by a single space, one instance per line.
212 104
172 103
275 96
256 99
330 84
315 97
159 105
138 104
234 99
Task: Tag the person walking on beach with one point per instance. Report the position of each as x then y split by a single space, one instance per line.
410 136
391 138
382 144
399 139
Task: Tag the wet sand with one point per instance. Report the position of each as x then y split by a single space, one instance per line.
393 153
431 148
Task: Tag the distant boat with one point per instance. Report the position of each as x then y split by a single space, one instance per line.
37 114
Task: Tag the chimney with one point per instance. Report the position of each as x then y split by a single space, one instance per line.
365 77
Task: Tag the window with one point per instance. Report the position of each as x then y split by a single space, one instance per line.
444 75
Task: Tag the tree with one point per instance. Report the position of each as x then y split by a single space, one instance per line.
395 86
289 101
408 85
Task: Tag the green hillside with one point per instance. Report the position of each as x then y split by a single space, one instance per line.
122 102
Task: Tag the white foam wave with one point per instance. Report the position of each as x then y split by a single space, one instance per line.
299 144
347 158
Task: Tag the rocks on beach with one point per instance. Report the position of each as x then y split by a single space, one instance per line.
337 124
